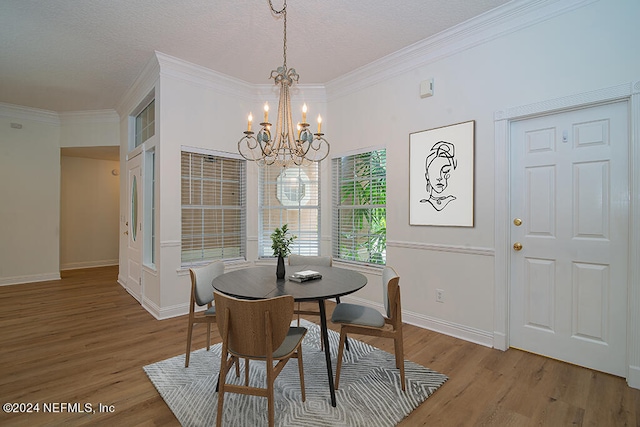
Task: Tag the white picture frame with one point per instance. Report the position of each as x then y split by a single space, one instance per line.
441 176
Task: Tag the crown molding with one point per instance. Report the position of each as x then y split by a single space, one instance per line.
89 117
503 20
52 117
201 76
28 113
222 83
143 85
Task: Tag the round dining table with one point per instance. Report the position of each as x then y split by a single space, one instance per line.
261 283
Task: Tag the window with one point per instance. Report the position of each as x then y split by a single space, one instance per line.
289 196
359 208
213 207
145 126
149 210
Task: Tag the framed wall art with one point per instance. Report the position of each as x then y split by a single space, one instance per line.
441 176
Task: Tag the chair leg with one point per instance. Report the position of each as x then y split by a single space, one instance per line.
189 334
301 371
246 371
208 335
346 341
399 347
270 397
221 381
343 336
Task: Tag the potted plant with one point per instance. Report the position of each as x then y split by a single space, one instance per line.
280 241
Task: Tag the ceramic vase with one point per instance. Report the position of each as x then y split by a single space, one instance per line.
280 268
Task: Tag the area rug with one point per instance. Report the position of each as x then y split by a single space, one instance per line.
369 393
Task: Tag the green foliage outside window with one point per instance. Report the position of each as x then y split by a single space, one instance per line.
360 197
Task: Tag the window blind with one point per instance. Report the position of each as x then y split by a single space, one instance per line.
290 196
213 203
359 196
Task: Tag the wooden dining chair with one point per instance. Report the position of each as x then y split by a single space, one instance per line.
202 295
258 330
357 319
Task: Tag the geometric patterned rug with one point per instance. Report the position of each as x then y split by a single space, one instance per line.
369 394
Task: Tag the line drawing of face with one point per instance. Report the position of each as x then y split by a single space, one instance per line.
438 164
438 174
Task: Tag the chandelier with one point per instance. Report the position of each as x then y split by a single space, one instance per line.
289 145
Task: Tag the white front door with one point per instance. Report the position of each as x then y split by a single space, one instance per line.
570 190
134 229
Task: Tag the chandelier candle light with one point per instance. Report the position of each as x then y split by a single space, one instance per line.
288 147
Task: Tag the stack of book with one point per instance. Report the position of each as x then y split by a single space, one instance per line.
303 276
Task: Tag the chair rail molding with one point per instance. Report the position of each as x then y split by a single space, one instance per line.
438 247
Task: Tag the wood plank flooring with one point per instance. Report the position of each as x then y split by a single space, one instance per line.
84 339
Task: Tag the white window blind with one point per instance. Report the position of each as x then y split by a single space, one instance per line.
360 208
290 196
213 208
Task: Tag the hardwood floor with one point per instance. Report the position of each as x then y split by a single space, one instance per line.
84 339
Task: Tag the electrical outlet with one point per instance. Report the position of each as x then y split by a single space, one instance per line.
439 295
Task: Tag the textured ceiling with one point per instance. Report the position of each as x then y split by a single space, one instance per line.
72 55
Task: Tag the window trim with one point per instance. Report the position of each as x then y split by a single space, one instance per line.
242 207
337 207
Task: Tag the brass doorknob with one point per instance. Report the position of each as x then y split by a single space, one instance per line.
517 222
126 232
517 246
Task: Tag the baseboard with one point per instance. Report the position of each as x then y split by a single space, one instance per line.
161 313
151 307
455 330
18 280
633 378
123 282
500 341
89 264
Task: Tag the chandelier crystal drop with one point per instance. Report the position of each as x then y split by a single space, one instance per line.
290 145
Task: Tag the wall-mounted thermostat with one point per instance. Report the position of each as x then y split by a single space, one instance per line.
426 88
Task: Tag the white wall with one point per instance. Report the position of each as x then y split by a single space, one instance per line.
573 52
29 195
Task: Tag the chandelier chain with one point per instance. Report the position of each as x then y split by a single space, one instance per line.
282 11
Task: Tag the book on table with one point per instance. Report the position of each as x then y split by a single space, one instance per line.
305 275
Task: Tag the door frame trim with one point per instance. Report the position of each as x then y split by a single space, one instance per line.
629 92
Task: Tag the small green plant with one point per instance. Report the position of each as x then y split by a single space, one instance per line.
280 241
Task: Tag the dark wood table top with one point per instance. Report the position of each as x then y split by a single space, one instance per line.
261 282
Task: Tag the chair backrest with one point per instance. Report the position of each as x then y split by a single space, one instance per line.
249 323
201 278
391 294
322 261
